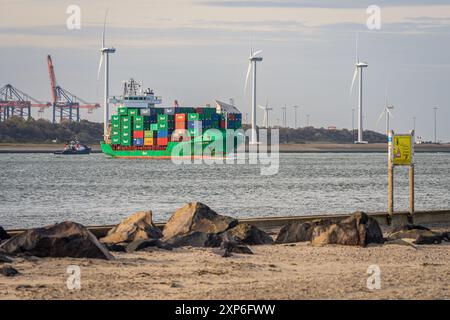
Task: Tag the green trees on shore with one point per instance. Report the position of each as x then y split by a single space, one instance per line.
18 130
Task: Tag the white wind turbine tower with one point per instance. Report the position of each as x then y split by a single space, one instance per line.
252 60
359 70
104 54
386 112
266 113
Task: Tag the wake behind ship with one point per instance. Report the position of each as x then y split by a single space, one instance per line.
142 129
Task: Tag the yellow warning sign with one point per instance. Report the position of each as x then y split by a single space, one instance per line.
402 151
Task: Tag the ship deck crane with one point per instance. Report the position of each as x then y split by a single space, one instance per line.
66 105
14 102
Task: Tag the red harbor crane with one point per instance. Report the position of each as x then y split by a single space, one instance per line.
66 106
14 102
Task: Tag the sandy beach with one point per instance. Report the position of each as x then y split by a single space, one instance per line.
290 271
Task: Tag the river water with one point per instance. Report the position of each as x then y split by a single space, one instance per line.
40 189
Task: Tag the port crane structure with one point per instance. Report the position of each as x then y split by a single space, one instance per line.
66 105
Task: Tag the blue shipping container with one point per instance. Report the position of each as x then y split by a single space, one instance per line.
230 124
138 142
238 116
194 124
215 116
163 133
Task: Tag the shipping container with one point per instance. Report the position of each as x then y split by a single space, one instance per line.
162 141
115 140
162 117
115 118
123 111
126 127
125 120
148 134
193 116
115 132
163 133
125 141
115 125
145 112
138 134
138 141
139 119
154 126
163 125
133 112
222 124
194 124
138 126
180 125
149 141
180 117
126 134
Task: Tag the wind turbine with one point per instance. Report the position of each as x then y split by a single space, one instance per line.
252 60
104 54
359 66
266 113
386 112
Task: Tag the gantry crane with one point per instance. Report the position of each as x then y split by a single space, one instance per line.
66 106
14 102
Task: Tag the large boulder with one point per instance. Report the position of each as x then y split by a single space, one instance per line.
297 231
357 230
66 239
249 234
138 226
3 234
196 217
196 239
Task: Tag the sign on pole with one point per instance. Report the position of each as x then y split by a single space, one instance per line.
403 150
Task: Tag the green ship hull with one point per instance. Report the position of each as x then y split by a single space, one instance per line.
190 149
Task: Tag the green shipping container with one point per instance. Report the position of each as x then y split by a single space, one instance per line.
162 126
163 117
193 116
126 127
115 140
133 112
126 134
193 132
115 118
154 127
125 119
139 119
138 126
115 132
123 111
215 124
125 141
115 125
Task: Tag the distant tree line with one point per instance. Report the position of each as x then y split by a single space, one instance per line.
311 134
18 130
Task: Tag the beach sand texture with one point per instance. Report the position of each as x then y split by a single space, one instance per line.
298 271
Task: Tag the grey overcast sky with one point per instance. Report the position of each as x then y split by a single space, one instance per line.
197 50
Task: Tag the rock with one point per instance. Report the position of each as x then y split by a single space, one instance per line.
66 239
196 239
143 244
3 234
116 247
138 226
196 217
225 253
5 259
357 230
295 232
420 236
235 247
249 234
9 271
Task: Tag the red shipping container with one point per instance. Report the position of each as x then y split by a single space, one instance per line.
199 110
180 125
138 134
222 124
180 117
162 141
231 116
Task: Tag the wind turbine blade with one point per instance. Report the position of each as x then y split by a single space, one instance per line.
248 75
260 106
390 113
354 79
104 28
256 53
100 66
380 117
265 119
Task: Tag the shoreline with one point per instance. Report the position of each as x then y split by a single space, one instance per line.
6 148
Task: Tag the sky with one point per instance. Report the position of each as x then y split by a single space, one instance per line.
197 50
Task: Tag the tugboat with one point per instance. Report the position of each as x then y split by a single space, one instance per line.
74 147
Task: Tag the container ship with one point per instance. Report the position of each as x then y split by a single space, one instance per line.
143 129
